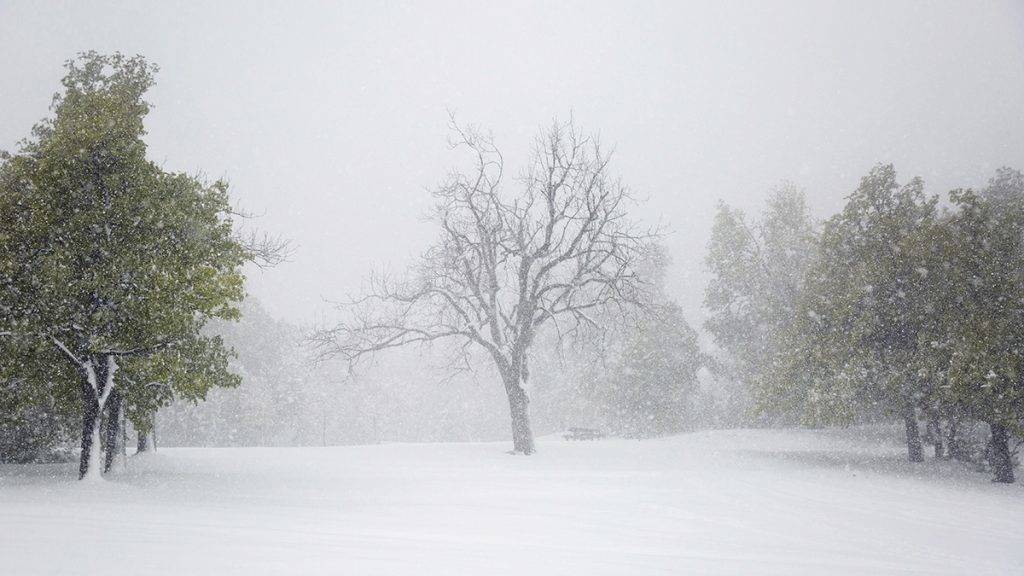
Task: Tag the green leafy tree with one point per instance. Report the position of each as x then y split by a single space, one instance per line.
36 414
1005 189
870 302
185 372
757 276
986 323
651 388
112 261
282 400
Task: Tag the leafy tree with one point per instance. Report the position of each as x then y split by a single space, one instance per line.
1005 189
651 389
185 372
870 302
112 261
757 276
986 324
279 402
35 405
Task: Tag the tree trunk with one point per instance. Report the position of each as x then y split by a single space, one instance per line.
97 384
147 436
113 424
1002 463
953 451
89 461
123 438
144 443
935 432
519 408
914 450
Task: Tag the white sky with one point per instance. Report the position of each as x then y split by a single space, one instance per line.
330 118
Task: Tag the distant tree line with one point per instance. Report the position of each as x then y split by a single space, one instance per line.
900 306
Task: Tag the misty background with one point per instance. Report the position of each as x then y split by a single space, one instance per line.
330 121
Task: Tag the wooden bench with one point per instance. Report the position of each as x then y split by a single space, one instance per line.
583 434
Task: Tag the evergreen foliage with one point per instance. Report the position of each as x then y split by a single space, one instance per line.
110 265
906 310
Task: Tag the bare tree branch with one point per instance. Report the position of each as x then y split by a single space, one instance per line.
506 264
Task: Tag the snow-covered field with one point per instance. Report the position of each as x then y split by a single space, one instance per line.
736 502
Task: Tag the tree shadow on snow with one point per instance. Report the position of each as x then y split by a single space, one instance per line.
885 464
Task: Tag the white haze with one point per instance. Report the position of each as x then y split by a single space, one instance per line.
888 452
330 118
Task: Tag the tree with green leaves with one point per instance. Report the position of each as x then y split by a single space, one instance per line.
870 300
36 407
651 388
986 323
1005 189
112 262
757 275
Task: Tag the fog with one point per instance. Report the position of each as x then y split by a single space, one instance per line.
331 119
524 288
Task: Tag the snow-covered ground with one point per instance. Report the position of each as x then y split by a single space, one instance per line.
735 502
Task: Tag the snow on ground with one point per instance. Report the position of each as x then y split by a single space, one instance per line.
729 502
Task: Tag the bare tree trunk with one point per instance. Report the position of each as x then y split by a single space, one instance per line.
953 451
122 437
89 460
147 436
124 432
935 433
1002 463
97 377
519 409
914 451
113 425
143 443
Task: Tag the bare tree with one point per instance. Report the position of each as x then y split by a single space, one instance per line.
508 265
262 249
